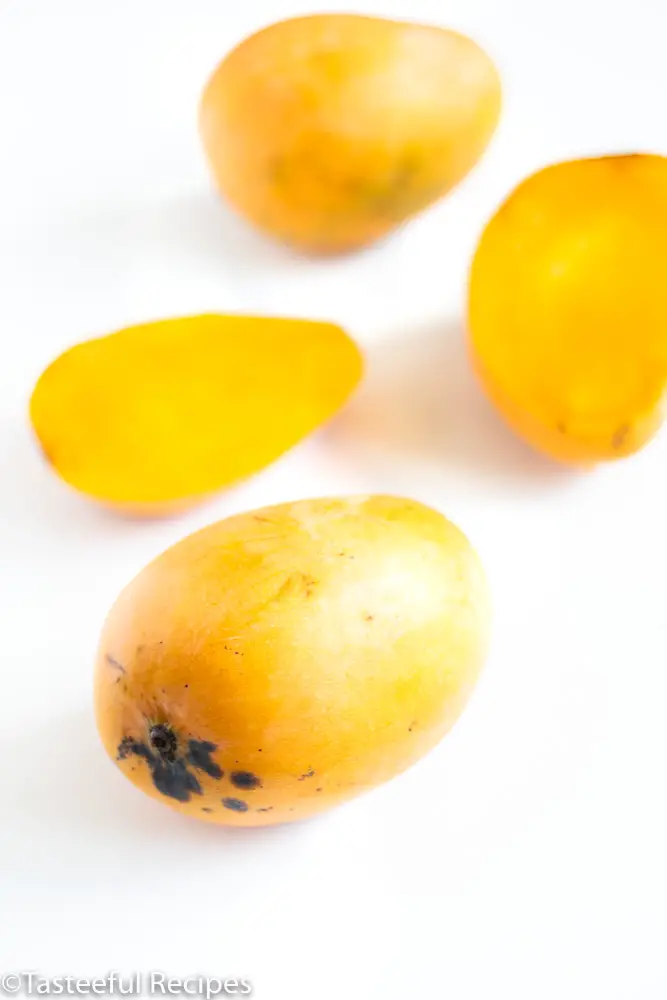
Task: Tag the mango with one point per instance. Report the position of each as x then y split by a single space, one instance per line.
328 131
567 307
157 417
282 661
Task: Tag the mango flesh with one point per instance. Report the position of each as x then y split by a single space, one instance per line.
156 417
568 307
282 661
329 131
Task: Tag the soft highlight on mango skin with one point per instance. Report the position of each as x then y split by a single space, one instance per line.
155 418
280 662
328 131
568 307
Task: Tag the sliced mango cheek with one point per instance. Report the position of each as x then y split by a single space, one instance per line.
568 309
158 416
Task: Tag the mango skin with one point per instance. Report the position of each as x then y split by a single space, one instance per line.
155 418
329 131
567 307
282 661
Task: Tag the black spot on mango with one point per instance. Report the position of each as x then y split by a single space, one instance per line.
245 780
199 755
237 805
169 768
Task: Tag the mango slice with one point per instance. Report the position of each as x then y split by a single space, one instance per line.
568 307
158 416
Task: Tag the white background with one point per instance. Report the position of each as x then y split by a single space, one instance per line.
525 858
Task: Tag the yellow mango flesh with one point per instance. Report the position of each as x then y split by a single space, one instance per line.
156 417
568 307
328 131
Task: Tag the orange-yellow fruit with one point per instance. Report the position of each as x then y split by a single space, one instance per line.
329 131
568 307
156 417
282 661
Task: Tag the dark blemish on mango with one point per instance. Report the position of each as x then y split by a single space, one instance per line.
561 427
199 755
265 809
164 741
319 789
619 438
236 805
308 774
129 746
169 768
368 617
114 663
172 778
206 809
245 779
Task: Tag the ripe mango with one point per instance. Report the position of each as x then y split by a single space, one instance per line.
157 417
282 661
568 307
329 131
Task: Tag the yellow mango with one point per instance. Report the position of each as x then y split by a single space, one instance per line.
329 131
157 417
568 307
285 660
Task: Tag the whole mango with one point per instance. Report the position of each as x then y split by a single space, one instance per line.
282 661
329 131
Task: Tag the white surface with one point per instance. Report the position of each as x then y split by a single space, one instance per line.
525 858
